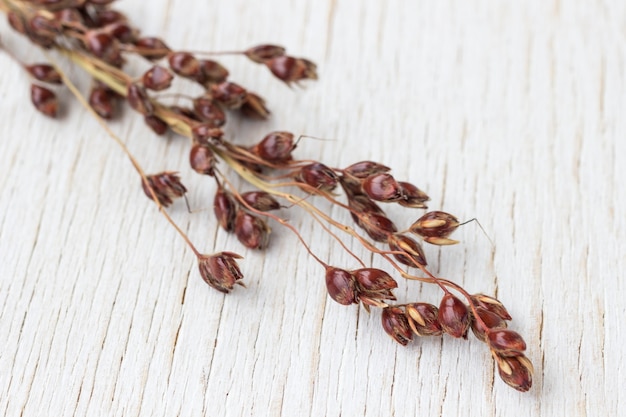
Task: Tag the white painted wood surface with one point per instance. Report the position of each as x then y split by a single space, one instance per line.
508 111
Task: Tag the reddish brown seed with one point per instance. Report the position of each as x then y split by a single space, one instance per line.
225 209
396 325
413 252
16 21
220 270
253 232
373 279
435 227
157 125
516 371
212 71
229 94
157 78
360 203
121 31
184 64
139 100
151 48
376 225
205 133
260 200
44 100
289 69
506 341
491 304
45 73
489 319
166 186
364 169
382 187
262 53
101 100
276 147
202 159
103 46
453 316
103 17
340 285
209 111
254 107
412 196
318 176
44 27
423 319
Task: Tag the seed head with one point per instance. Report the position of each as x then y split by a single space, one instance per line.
209 111
229 94
262 53
151 48
166 186
412 196
289 69
376 225
44 100
453 316
341 285
516 371
220 270
184 64
139 100
157 78
491 304
103 46
202 159
505 341
253 232
414 254
254 107
490 319
212 71
225 209
121 31
382 187
260 200
435 226
44 73
276 147
396 325
101 101
364 169
423 319
374 286
318 176
157 125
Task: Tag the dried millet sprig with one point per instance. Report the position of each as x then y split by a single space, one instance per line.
98 38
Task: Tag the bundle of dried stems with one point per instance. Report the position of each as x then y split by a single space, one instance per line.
99 39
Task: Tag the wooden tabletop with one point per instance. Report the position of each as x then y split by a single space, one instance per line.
508 112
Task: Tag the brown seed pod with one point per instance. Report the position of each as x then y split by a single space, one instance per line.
139 100
374 286
104 17
435 226
516 371
340 285
45 73
396 325
376 225
202 159
490 319
289 69
44 100
229 94
121 31
414 252
260 200
382 187
166 186
276 147
209 111
412 196
453 316
505 341
225 209
152 48
262 53
157 78
491 304
364 169
360 203
318 176
101 101
212 71
220 270
423 319
157 125
254 107
103 46
253 232
184 64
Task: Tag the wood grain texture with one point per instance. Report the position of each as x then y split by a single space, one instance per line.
511 112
